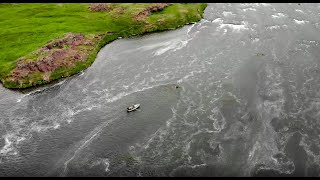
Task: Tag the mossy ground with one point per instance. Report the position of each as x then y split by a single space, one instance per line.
27 27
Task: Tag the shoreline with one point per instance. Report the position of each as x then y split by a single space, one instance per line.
33 78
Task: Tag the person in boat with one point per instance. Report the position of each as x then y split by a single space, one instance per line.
130 107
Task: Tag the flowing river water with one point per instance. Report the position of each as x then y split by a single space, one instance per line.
248 103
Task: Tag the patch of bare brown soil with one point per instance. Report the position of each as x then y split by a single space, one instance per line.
99 7
64 52
119 10
150 9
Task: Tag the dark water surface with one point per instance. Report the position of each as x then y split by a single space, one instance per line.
249 103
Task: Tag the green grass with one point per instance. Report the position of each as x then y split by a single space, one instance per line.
27 27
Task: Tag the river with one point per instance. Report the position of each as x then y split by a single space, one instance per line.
248 103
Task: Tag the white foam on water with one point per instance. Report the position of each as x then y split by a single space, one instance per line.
186 77
138 75
85 142
171 46
249 9
40 90
307 147
235 27
274 27
19 99
246 5
175 44
152 79
226 13
274 108
22 129
255 40
30 93
118 96
279 168
159 133
299 10
123 94
189 29
8 145
182 44
56 126
235 97
203 27
198 165
154 46
70 112
261 4
39 128
95 163
218 119
278 15
125 86
225 31
82 73
256 146
107 164
61 82
300 21
218 20
265 4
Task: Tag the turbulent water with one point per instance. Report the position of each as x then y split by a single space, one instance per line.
248 103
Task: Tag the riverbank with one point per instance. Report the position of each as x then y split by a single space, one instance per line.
58 40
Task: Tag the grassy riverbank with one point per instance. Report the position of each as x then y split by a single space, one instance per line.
25 28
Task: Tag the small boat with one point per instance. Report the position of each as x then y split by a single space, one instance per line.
133 107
